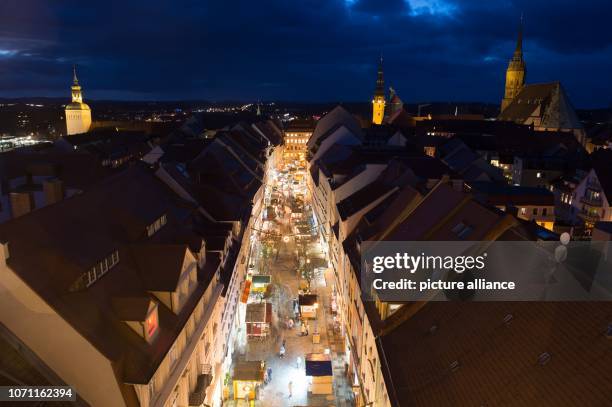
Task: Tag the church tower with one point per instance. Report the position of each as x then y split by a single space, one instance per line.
515 74
78 114
378 103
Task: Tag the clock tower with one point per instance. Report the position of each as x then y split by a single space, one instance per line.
378 103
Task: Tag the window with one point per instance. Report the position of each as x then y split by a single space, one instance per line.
535 211
98 270
544 211
523 211
156 225
91 276
104 266
539 175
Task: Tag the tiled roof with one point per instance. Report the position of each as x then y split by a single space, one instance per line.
337 116
503 194
547 101
52 247
495 353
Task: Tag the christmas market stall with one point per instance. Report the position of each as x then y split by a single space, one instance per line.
248 376
308 306
319 369
258 319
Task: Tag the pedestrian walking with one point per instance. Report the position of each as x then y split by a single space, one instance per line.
281 352
290 389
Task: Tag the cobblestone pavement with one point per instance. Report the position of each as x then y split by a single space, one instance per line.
285 280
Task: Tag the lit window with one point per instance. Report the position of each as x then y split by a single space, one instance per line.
523 211
104 266
539 175
91 276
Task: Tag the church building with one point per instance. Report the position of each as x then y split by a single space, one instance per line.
545 106
78 114
378 103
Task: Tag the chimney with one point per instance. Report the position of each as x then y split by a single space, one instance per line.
21 203
54 190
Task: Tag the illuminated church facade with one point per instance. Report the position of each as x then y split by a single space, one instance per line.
78 114
545 106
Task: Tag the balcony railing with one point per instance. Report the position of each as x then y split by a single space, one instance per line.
197 397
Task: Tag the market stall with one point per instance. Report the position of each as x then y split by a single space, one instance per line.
248 376
319 367
308 306
258 319
259 283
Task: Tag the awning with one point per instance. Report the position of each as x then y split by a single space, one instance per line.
261 279
246 291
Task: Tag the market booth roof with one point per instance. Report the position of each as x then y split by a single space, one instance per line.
307 299
249 371
318 364
259 312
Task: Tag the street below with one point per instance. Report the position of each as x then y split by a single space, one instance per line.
293 354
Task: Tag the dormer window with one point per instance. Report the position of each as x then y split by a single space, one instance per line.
139 313
151 324
96 272
155 226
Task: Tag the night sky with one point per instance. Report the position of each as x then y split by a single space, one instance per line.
308 50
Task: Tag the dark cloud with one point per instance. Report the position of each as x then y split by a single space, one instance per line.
315 50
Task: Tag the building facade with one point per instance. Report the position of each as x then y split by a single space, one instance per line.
297 134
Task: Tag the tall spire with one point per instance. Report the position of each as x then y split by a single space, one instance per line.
378 103
519 40
75 80
77 95
380 80
516 72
